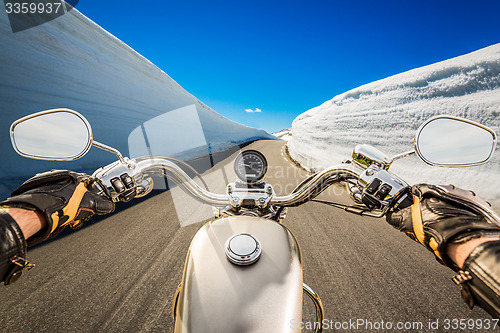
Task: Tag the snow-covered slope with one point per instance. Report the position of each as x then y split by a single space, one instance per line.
71 62
386 114
284 134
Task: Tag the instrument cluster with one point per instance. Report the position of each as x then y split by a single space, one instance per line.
250 166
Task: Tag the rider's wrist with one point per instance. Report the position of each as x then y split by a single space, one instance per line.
458 253
29 221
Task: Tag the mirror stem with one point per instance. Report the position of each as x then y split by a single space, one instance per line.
402 155
110 149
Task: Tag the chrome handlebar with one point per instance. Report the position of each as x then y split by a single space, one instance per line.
142 168
173 172
318 183
309 190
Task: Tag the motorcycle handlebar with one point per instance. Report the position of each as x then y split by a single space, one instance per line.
317 184
170 170
160 166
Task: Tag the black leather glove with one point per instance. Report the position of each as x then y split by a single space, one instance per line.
444 214
64 197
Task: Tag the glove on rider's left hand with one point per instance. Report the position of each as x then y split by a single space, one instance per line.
64 197
441 215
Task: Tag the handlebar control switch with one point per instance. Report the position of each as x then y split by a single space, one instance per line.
380 188
118 185
383 191
124 186
374 185
127 180
370 202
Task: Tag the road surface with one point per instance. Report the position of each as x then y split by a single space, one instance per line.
120 274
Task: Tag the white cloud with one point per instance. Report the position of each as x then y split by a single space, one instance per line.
253 111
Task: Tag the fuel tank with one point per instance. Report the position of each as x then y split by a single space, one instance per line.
216 295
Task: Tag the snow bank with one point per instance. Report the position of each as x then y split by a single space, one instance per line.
386 114
73 63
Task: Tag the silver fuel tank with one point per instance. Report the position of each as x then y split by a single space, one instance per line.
218 296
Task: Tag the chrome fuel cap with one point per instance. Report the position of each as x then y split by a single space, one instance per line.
243 249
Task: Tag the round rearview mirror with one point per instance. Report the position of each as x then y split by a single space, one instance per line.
55 135
454 142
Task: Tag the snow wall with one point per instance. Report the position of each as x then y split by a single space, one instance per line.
387 113
73 63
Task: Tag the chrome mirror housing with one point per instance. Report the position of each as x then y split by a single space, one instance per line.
365 155
54 135
454 142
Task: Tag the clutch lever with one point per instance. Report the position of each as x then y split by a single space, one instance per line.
355 209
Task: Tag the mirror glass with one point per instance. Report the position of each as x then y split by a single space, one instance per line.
52 135
454 142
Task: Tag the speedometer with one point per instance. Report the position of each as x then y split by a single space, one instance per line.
250 166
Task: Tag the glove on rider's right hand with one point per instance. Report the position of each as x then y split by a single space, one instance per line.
64 197
441 215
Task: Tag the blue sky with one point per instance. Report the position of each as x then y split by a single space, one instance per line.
285 57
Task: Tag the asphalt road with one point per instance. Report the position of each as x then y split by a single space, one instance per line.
120 273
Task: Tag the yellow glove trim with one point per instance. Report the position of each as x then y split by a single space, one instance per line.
71 208
416 217
434 245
